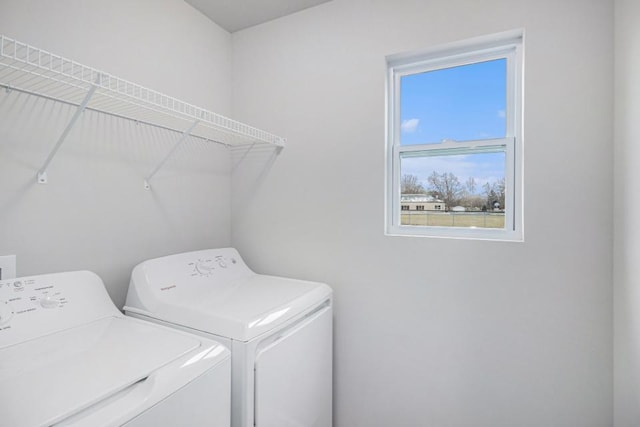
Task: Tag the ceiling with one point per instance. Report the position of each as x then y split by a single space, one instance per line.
235 15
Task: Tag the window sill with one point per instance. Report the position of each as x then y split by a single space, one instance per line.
498 235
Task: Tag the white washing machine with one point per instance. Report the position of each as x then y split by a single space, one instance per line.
279 331
68 357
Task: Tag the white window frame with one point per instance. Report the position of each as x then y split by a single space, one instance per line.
508 45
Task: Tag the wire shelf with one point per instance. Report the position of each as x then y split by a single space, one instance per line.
35 71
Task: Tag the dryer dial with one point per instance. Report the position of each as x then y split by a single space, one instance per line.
205 267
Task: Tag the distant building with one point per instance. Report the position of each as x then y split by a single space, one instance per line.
421 202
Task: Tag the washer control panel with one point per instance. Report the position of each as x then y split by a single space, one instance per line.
35 305
22 296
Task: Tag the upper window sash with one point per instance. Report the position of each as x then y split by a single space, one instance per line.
508 52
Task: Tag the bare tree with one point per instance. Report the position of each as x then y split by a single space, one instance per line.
411 185
446 187
471 199
471 185
495 193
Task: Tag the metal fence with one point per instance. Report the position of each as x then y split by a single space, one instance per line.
488 219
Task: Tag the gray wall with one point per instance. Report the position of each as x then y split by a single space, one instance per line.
438 332
94 213
627 205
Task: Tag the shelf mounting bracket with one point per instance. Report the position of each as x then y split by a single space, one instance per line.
184 136
42 172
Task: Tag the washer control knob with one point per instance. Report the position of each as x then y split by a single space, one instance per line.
49 302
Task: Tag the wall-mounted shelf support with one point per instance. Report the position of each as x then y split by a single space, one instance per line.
42 172
184 136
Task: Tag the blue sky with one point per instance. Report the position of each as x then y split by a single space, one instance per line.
461 104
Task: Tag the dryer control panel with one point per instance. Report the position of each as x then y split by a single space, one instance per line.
175 274
209 264
35 305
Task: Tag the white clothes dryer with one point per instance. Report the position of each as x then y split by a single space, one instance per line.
69 357
279 331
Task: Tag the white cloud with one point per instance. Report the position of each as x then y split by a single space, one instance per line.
502 114
409 125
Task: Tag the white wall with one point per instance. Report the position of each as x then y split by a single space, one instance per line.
94 213
428 332
436 332
627 205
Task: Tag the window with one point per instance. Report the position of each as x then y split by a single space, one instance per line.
405 207
455 139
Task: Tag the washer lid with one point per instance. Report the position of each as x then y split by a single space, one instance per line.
44 380
215 292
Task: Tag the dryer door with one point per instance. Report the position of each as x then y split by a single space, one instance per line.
293 376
